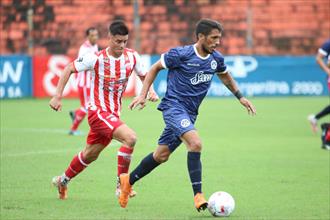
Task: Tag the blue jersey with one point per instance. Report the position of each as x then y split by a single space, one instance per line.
325 50
189 77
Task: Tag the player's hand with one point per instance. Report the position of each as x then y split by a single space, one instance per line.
248 105
136 102
55 103
152 96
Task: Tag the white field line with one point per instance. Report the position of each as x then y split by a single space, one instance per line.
35 130
23 154
113 143
49 152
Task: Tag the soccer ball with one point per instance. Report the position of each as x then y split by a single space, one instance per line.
221 204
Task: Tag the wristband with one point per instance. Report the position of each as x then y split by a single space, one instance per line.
238 94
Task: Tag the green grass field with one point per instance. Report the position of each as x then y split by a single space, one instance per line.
272 164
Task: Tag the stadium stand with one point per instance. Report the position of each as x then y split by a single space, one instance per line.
251 26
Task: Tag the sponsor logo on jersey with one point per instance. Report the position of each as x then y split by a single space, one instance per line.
185 123
80 59
200 77
193 64
213 64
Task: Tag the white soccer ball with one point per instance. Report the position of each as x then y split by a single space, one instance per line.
221 204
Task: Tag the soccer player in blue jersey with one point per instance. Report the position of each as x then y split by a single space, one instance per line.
323 59
190 71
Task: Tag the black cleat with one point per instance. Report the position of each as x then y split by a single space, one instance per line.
202 207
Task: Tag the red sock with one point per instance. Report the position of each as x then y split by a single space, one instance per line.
79 116
76 166
124 159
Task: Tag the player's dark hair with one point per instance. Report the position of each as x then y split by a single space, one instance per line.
88 31
205 26
118 27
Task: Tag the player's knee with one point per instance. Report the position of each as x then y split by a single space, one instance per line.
161 157
130 140
195 146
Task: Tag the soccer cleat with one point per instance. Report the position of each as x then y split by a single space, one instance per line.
313 121
326 147
62 188
131 194
325 136
72 115
200 202
75 133
125 189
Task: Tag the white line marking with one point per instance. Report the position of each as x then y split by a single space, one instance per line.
36 130
62 151
105 121
23 154
114 143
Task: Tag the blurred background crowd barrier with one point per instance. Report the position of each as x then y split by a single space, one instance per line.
269 44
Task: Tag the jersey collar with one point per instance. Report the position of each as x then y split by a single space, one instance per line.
197 54
118 58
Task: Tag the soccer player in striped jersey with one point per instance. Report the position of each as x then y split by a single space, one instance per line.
190 72
110 71
84 81
323 59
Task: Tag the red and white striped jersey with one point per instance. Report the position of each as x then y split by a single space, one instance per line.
109 77
84 77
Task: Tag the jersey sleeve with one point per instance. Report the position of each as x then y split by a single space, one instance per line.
139 68
171 59
325 49
82 51
221 66
85 62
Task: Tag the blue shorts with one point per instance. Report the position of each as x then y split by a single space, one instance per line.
178 122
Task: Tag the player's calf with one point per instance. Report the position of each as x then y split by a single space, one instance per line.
72 115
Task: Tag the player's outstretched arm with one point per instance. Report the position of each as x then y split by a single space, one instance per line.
147 82
230 83
152 95
55 103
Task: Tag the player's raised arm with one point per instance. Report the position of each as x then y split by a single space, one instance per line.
147 82
55 103
230 83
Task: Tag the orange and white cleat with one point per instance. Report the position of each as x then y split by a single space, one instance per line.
62 188
200 202
125 189
117 192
